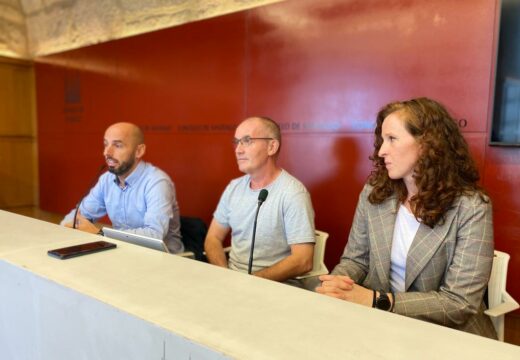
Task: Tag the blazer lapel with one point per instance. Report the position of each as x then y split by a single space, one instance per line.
383 231
424 246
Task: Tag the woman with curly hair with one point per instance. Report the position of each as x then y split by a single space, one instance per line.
421 243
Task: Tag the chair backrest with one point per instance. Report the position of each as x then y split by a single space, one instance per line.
318 263
193 231
497 279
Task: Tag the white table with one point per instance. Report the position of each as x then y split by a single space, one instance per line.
136 303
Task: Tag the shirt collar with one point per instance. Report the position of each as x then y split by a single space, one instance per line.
134 176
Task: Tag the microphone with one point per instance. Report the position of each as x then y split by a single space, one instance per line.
100 171
261 198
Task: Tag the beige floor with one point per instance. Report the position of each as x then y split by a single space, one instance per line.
512 326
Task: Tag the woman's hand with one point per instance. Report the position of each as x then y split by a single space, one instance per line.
344 288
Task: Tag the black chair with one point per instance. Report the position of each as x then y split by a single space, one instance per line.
193 232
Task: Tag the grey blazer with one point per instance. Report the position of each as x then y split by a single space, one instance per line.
447 268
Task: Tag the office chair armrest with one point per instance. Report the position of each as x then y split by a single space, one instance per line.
508 304
226 251
187 254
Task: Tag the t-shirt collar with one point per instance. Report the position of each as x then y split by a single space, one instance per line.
268 187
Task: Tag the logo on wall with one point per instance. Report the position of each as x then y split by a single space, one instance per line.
295 126
73 107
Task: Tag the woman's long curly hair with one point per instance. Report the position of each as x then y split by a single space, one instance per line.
444 170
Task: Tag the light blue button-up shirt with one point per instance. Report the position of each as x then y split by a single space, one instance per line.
146 205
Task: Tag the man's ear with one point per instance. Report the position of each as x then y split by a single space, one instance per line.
273 147
140 151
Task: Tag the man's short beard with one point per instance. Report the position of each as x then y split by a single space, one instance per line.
123 168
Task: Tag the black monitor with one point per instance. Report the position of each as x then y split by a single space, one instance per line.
506 112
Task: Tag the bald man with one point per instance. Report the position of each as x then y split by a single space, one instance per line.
284 244
137 197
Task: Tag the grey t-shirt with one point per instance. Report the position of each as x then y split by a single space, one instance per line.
285 218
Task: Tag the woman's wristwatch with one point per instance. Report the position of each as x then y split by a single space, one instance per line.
382 301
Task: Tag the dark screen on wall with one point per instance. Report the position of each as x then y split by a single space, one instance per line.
506 113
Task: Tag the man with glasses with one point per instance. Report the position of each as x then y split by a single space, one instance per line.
284 244
137 197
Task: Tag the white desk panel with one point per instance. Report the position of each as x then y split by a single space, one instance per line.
141 304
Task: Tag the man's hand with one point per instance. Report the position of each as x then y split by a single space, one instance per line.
296 264
83 224
213 244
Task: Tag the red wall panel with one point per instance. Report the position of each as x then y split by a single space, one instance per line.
338 62
320 68
182 85
501 179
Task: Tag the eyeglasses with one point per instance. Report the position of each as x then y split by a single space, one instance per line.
248 140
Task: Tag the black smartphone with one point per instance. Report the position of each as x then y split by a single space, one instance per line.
82 249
